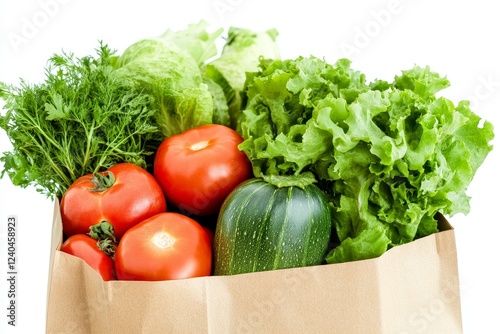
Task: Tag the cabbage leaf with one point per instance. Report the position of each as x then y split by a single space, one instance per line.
169 68
240 55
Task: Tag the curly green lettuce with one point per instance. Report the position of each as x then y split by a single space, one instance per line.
389 155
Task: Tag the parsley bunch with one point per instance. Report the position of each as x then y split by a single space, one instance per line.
82 119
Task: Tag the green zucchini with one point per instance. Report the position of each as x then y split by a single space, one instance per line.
266 226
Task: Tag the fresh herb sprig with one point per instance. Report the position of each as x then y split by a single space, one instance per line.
82 119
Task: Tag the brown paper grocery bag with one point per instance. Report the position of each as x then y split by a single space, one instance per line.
412 288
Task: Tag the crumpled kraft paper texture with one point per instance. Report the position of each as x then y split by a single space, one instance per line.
413 288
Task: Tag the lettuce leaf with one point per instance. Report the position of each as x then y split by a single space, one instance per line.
169 68
240 54
192 83
389 155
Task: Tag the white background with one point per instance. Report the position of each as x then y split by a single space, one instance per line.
383 37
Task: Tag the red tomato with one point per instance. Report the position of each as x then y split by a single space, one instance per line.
198 168
84 247
210 234
164 247
133 196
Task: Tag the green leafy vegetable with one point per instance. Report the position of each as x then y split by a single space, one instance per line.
241 54
96 111
81 119
169 68
389 155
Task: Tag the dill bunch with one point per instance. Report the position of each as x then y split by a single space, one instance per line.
82 119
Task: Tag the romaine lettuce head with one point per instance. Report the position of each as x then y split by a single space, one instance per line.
389 155
240 55
168 67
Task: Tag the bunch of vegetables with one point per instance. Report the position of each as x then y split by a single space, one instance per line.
242 160
117 220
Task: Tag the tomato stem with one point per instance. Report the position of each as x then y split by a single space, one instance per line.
102 181
102 231
108 247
